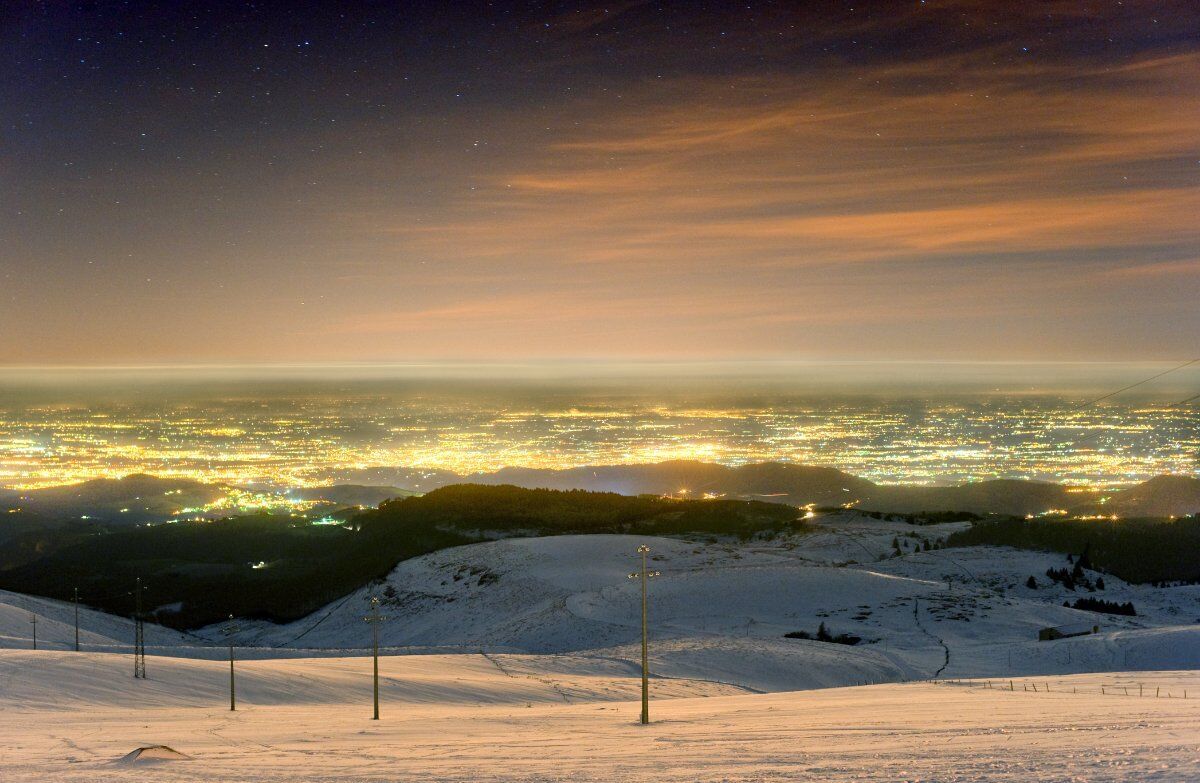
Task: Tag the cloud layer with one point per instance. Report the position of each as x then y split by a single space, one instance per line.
963 180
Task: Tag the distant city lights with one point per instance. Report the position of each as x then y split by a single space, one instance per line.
263 447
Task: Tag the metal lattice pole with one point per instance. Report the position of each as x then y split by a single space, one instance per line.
229 630
645 575
375 619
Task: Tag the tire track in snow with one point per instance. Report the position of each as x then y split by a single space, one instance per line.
551 684
321 619
938 639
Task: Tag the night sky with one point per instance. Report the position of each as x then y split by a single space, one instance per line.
376 181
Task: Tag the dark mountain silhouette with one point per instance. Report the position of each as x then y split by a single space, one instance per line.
351 494
133 499
148 498
772 481
140 498
1160 496
999 496
802 485
412 479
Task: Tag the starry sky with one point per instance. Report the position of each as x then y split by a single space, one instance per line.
272 182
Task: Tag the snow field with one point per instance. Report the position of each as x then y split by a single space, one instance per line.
71 717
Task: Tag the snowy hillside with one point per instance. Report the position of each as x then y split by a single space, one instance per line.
70 717
537 675
56 627
721 610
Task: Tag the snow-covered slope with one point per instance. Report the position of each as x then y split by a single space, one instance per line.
56 627
70 717
54 680
720 610
542 681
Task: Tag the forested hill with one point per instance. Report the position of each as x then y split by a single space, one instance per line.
509 509
281 568
801 485
1137 550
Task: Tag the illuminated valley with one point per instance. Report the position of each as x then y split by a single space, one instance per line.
297 438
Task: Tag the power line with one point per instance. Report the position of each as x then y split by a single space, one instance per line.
1089 403
1181 403
1097 433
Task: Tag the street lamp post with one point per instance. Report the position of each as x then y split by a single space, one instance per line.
644 575
375 619
33 621
229 630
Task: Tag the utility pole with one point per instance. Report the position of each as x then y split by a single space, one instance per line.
229 630
76 619
33 621
139 635
375 619
644 575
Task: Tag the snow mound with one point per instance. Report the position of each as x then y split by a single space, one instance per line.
153 754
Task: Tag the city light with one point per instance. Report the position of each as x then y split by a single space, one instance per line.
260 450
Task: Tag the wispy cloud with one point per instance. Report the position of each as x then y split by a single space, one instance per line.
690 187
956 177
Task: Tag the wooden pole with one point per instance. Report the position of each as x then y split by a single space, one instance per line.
374 618
230 630
375 664
645 651
644 575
